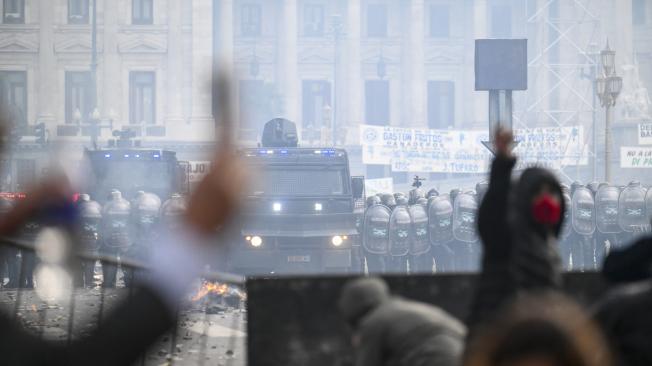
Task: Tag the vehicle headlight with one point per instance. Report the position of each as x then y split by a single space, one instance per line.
318 207
277 207
337 240
256 241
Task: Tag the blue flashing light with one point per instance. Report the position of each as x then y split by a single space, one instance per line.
107 155
157 155
284 152
137 155
126 155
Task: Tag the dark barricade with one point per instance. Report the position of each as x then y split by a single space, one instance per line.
294 321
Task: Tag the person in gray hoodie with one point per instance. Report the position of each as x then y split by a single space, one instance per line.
389 330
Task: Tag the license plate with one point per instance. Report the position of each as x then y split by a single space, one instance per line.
299 258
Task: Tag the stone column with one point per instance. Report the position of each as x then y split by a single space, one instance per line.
202 73
111 92
174 74
47 75
413 77
224 45
353 63
287 59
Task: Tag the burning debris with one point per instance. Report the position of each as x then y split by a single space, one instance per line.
231 296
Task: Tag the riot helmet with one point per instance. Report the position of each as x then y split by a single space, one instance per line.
373 200
389 200
432 193
402 201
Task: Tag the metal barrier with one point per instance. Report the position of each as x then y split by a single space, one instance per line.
210 281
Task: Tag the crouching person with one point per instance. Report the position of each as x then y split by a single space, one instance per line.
389 330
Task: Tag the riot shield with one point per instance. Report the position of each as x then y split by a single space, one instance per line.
375 237
116 214
465 211
567 224
583 211
648 203
420 243
631 209
400 226
606 210
440 215
90 217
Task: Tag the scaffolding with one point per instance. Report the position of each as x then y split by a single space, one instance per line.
563 38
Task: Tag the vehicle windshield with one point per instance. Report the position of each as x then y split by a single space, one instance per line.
309 181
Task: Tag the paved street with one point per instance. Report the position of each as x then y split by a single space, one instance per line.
217 337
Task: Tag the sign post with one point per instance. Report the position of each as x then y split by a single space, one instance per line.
500 68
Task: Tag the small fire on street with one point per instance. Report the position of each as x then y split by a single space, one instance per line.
218 289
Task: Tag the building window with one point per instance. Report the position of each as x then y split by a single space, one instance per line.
441 104
316 104
639 12
439 21
251 20
501 21
13 11
313 20
142 97
377 102
142 12
25 174
13 95
400 177
78 12
377 20
79 96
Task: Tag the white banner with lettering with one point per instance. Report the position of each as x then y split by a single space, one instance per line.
461 151
197 170
635 157
645 134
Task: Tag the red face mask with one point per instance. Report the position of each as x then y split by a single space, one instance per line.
546 210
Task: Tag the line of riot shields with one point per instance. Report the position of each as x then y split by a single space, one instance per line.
120 228
433 232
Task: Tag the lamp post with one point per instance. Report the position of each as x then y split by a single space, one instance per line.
608 87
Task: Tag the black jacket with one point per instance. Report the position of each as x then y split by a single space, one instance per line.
121 339
400 332
518 255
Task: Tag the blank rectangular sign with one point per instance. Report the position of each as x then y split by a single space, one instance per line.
500 64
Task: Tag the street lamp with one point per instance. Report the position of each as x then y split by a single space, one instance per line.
608 87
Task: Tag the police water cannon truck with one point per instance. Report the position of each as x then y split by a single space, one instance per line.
300 211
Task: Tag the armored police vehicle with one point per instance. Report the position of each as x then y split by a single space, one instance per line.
130 170
299 214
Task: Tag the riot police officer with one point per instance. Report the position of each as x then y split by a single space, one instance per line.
90 218
608 230
144 218
171 212
115 234
420 258
465 208
631 210
583 222
400 229
375 236
432 193
565 237
440 225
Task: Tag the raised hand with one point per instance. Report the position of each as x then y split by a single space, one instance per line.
503 142
217 197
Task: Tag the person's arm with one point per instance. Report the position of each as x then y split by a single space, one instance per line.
633 263
369 351
492 215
